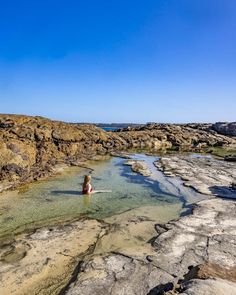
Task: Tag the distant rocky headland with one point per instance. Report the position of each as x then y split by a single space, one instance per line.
116 125
34 147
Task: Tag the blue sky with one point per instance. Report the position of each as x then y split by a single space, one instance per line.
119 61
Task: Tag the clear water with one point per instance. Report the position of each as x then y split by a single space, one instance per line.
60 198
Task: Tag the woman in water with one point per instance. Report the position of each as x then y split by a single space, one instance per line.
87 187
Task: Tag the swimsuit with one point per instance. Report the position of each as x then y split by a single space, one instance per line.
88 189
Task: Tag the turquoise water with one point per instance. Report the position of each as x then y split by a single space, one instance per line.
60 198
110 128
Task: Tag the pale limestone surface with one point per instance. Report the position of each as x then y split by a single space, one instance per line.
208 235
43 261
209 287
205 174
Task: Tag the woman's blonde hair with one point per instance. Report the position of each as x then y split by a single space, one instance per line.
87 179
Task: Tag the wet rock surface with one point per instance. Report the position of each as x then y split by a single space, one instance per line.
49 260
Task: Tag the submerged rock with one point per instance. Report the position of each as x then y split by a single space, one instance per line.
120 154
139 166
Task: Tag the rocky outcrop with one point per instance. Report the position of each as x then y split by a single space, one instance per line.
211 270
117 274
44 261
190 254
33 147
139 166
207 287
194 255
186 137
205 174
48 259
225 128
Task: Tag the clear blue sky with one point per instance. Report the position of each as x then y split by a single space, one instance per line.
119 61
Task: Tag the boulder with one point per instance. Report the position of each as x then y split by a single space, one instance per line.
225 128
230 158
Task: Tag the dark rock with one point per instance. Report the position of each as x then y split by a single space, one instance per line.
225 128
11 169
231 158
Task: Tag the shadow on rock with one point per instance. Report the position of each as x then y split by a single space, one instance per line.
161 289
228 192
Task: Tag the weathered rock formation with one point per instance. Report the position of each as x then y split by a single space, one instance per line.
47 260
42 262
225 128
33 147
139 167
205 174
181 137
193 255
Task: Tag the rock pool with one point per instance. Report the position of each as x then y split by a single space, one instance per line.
59 198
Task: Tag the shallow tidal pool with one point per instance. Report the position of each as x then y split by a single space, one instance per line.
60 198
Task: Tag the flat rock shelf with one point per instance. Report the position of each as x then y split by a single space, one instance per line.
138 239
